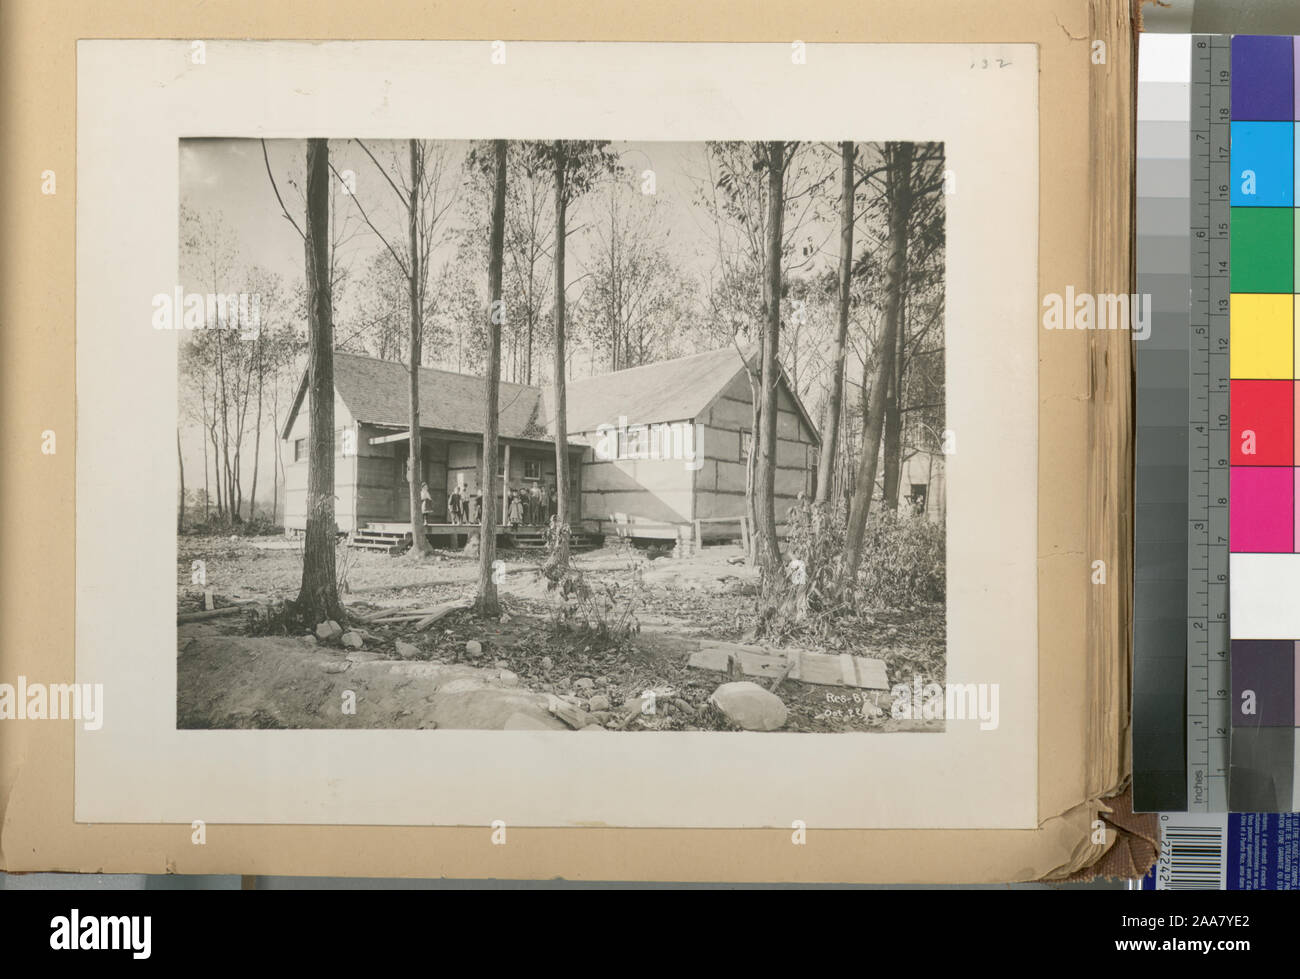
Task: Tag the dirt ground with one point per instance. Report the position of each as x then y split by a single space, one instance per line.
229 675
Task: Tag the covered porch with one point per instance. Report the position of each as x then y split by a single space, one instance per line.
451 465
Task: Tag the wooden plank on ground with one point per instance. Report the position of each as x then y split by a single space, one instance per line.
802 665
439 613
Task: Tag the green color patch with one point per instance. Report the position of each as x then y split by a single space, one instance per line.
1263 249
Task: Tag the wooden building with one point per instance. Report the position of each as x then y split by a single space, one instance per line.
653 449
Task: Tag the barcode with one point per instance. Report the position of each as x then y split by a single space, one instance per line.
1191 858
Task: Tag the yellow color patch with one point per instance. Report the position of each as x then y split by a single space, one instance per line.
1261 336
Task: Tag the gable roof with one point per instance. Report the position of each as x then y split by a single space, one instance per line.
666 391
375 392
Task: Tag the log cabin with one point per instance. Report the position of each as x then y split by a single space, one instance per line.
656 451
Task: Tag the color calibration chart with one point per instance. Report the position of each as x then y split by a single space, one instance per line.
1264 427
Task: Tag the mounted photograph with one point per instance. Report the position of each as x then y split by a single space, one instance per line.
578 436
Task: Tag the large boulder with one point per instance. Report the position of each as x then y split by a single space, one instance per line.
749 705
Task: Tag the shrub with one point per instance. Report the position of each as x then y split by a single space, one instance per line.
604 610
902 566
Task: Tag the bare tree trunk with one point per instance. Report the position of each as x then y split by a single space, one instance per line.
751 462
769 554
486 603
275 428
900 173
893 458
419 543
180 511
831 431
257 436
318 598
561 558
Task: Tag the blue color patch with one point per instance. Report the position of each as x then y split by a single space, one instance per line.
1263 164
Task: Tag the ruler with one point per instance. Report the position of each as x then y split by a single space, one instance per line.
1208 685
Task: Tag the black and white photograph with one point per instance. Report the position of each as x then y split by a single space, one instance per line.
571 435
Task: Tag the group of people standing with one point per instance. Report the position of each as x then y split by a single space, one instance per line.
531 505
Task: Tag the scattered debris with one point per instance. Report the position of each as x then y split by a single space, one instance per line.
575 717
438 613
407 650
474 648
184 617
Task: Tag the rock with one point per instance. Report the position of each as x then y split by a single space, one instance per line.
503 664
527 722
546 687
508 679
329 630
504 618
352 640
407 650
462 685
603 717
309 639
546 663
586 684
598 702
749 705
474 647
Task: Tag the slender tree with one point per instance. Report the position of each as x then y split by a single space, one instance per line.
415 463
768 553
180 512
835 400
575 167
486 602
899 176
318 598
426 204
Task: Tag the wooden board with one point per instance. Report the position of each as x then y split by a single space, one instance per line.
809 667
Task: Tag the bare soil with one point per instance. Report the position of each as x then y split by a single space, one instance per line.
231 673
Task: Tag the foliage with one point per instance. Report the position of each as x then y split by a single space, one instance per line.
903 561
605 610
902 567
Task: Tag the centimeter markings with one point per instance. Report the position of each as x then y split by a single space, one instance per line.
1208 405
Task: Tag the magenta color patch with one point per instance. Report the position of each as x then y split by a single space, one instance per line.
1262 514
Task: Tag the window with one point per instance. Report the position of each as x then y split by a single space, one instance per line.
745 442
501 462
532 469
299 450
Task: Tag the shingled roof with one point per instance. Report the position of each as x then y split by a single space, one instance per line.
375 391
667 391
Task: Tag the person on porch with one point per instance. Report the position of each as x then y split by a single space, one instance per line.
515 514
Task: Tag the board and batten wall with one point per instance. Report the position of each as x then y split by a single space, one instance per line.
295 472
720 483
667 491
